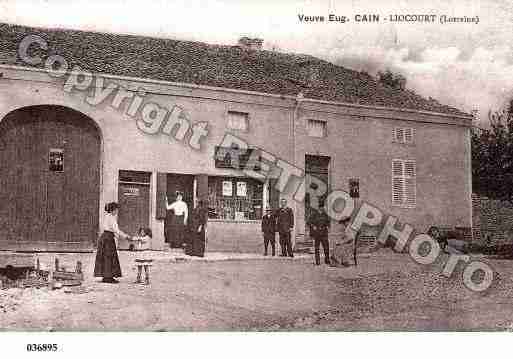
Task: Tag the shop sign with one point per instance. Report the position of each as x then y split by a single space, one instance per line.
241 189
130 191
233 158
227 188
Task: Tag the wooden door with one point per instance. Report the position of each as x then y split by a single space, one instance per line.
43 207
202 187
134 200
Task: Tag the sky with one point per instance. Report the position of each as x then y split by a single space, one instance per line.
466 65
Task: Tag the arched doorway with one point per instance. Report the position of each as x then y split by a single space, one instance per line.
49 179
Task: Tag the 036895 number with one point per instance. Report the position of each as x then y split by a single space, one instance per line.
42 347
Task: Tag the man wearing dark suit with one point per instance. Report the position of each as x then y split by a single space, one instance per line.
285 223
269 231
319 224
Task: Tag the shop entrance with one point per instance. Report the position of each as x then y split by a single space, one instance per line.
179 183
134 200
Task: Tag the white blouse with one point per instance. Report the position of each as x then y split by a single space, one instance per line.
179 207
110 224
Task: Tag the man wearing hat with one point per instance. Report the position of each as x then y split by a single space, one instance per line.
269 231
284 224
319 224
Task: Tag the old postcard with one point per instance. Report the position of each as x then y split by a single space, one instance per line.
261 166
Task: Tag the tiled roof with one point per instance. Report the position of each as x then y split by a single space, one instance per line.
215 65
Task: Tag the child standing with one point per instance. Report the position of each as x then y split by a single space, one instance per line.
142 245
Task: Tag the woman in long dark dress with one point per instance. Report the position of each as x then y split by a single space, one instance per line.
199 218
176 220
107 260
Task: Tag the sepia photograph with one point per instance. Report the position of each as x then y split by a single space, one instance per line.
265 166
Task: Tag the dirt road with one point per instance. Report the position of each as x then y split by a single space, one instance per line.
387 291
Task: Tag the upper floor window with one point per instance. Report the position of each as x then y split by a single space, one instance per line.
317 128
404 183
404 135
238 121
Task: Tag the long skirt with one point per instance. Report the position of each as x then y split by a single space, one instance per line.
107 260
177 232
196 245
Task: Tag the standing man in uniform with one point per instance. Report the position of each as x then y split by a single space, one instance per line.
319 223
285 223
269 231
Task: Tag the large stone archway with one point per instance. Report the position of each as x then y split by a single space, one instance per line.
49 180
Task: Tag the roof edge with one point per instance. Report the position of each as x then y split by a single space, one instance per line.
246 92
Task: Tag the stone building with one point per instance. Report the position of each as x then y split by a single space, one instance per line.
70 142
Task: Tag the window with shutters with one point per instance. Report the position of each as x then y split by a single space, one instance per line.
405 135
404 191
238 121
317 128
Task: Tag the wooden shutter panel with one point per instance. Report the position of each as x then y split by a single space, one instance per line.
410 183
202 187
397 168
410 195
409 168
399 135
409 134
274 195
161 195
397 182
404 191
397 190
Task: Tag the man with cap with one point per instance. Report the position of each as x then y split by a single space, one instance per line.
269 231
319 224
284 224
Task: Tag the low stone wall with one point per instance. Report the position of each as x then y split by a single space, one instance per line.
235 236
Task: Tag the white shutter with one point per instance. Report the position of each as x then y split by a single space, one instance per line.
410 183
397 168
398 134
404 135
397 191
404 191
409 134
397 182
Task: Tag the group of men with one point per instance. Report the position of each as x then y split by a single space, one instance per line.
282 221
